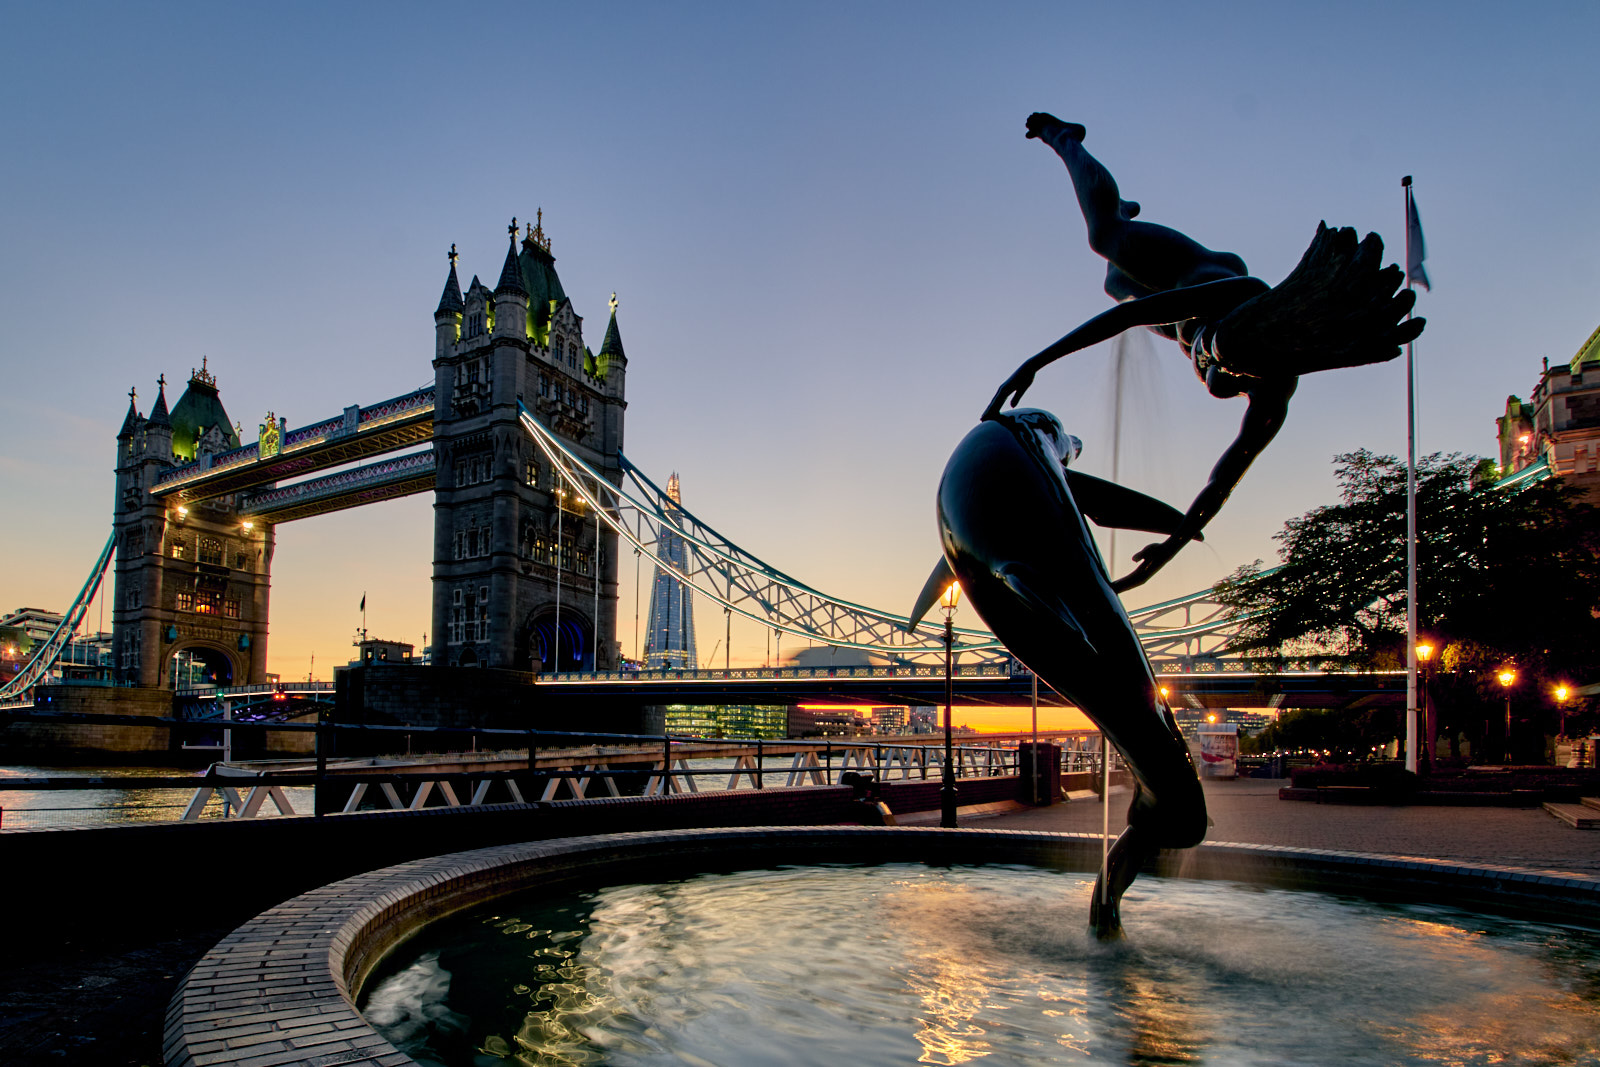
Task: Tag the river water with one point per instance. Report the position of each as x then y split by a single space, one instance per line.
60 809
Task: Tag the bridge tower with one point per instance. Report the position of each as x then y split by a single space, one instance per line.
514 550
189 602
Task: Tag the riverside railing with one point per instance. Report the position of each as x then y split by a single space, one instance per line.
556 765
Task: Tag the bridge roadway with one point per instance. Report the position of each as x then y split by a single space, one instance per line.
988 684
996 685
361 433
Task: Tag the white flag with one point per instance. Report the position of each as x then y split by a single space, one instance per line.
1416 250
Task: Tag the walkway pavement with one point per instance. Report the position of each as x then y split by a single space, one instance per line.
97 994
1248 811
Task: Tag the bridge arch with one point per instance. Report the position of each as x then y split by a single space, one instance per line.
536 641
196 661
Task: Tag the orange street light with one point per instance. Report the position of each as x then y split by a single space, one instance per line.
1507 678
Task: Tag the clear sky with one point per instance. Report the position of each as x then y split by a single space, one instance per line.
828 236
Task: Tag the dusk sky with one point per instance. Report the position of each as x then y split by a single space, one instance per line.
828 236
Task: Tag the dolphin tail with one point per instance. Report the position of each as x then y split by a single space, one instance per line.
1022 580
1109 504
932 590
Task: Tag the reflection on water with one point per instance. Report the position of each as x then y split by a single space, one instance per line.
906 964
57 809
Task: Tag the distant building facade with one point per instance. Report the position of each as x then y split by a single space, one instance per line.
1557 431
669 640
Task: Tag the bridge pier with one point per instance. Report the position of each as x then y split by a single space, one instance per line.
464 697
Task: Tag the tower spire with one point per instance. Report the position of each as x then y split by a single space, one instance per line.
511 274
130 424
158 414
450 300
611 347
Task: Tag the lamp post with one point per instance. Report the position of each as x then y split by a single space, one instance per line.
947 793
561 499
1428 729
1562 692
1508 678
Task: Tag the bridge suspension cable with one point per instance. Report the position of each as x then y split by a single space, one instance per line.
45 656
715 568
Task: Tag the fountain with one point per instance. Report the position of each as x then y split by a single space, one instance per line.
878 945
894 943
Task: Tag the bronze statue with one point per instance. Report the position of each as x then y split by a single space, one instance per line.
1012 514
1011 522
1337 308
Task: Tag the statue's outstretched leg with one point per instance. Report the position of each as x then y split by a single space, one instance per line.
1145 257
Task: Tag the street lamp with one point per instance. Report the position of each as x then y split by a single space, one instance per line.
1508 678
1429 730
1562 692
561 501
947 792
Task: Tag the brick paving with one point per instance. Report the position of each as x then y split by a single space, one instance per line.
97 994
1248 811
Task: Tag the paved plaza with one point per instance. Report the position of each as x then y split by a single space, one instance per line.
1248 811
97 995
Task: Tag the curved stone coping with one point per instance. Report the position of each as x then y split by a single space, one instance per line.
281 989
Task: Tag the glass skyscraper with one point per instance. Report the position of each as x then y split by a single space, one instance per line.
669 642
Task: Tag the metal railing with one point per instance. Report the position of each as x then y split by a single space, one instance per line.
556 765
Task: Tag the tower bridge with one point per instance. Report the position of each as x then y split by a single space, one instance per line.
520 439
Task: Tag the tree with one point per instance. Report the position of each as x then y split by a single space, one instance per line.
1503 577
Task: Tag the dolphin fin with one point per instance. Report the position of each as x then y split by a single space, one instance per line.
932 590
1023 581
1109 504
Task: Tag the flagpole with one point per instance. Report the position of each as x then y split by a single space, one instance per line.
1411 516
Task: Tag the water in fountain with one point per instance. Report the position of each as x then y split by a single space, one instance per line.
902 963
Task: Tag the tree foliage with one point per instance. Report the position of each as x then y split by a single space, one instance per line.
1501 576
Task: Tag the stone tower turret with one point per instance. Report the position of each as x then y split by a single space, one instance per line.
447 319
507 564
192 578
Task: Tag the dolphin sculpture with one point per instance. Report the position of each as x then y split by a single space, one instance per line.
1011 522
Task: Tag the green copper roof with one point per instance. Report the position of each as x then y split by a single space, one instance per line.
1589 353
543 284
197 410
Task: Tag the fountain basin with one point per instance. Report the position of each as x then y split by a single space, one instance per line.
283 988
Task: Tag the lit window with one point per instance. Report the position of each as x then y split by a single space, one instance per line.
230 608
207 602
211 551
185 602
530 472
179 549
